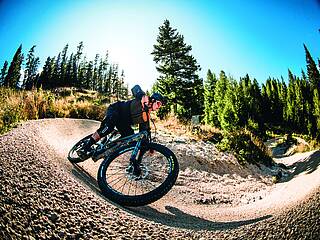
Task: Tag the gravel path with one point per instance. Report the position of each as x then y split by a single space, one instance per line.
42 196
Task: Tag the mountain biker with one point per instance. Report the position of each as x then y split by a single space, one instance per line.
122 115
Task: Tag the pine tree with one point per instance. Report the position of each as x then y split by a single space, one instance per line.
82 69
79 52
228 117
283 98
95 73
3 73
219 95
290 104
209 109
68 72
316 113
178 69
304 76
13 76
74 72
107 83
45 79
257 108
63 80
196 102
88 76
56 73
100 76
274 116
102 73
121 89
313 72
244 100
299 106
308 103
30 73
78 69
248 103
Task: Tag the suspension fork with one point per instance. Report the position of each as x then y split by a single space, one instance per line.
133 157
136 170
136 156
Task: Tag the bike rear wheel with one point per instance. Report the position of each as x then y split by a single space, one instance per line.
159 171
73 155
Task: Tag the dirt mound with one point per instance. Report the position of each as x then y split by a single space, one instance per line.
42 195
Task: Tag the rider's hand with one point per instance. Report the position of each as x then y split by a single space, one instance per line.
144 101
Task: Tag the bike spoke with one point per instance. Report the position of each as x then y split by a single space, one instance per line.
150 183
117 183
115 173
118 167
124 184
135 190
130 182
145 186
158 171
115 179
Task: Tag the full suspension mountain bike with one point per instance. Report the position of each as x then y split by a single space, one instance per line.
135 171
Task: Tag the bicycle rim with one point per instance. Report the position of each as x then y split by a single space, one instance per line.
159 170
73 155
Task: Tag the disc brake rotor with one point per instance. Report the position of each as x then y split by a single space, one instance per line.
143 172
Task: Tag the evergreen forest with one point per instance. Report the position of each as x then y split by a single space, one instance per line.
64 70
289 104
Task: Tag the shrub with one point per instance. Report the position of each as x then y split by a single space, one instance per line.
10 118
207 133
87 110
246 147
63 92
84 98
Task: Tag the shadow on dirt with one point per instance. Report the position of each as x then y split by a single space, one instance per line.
306 165
179 219
86 178
175 217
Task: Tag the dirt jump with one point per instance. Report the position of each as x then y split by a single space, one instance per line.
44 196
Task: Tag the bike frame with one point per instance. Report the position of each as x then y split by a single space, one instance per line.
140 138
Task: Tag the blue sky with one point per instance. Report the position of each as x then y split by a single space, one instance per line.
261 38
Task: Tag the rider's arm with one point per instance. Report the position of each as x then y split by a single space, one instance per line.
145 125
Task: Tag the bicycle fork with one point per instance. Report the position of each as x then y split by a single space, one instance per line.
134 161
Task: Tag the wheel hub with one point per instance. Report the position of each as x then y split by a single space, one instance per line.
137 172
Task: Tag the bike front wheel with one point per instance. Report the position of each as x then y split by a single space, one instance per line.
158 171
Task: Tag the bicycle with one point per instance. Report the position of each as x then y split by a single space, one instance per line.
135 171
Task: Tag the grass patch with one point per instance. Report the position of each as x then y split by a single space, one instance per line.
17 106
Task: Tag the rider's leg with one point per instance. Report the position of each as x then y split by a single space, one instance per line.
106 127
125 130
92 140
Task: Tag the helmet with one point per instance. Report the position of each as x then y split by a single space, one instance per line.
158 97
137 92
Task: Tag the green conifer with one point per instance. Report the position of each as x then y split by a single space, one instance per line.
13 76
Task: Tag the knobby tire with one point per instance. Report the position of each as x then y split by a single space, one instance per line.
148 197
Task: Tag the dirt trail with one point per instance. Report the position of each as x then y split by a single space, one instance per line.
234 194
43 196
